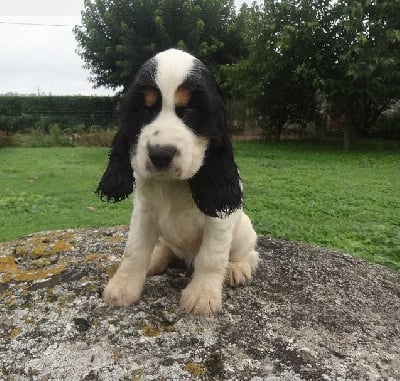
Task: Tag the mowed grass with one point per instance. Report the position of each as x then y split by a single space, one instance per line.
349 201
53 188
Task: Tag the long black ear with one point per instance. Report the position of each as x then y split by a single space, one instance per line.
117 181
216 187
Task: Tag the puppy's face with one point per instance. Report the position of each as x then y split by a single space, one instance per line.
173 105
173 126
168 149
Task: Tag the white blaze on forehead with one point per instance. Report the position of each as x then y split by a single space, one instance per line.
173 66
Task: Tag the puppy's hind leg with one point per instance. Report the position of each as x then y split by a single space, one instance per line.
161 257
243 258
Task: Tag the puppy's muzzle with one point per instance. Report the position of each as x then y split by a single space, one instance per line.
161 155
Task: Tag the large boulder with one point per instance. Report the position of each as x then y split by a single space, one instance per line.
309 314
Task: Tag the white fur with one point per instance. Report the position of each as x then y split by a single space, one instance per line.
173 67
168 129
166 221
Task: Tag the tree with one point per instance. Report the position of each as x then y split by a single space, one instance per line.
116 37
364 59
347 51
272 78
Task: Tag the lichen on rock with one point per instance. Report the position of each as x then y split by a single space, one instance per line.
309 314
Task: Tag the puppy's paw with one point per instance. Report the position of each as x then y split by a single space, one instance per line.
238 273
201 299
122 290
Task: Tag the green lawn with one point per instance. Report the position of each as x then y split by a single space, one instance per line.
53 188
323 196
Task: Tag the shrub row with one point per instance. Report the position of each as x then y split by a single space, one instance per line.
55 137
20 113
388 126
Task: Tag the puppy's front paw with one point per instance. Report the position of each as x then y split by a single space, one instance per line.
238 273
201 299
122 290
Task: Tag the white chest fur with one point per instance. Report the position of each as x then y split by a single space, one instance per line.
176 217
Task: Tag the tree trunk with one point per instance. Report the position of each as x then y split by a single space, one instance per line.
277 134
321 125
347 135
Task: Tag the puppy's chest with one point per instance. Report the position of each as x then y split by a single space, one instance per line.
175 214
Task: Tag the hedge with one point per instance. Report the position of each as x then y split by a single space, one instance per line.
19 113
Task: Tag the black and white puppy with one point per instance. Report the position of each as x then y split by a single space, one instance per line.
188 194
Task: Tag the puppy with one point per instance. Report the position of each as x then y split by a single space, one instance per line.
188 197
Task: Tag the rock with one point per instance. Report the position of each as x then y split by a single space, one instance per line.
310 314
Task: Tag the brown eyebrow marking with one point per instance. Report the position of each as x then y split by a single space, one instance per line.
150 97
182 96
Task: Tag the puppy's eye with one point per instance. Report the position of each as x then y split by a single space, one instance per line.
149 110
183 111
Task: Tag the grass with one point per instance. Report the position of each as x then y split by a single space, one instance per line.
52 188
324 196
313 194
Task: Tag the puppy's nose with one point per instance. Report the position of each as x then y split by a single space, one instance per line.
161 156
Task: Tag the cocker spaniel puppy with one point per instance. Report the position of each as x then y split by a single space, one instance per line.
188 192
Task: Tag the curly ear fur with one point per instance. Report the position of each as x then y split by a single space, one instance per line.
117 181
216 187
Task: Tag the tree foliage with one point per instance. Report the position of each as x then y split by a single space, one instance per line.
272 78
284 59
346 52
116 37
365 76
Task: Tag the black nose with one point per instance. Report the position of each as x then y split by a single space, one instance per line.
161 156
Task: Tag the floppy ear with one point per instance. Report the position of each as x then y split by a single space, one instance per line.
216 187
117 181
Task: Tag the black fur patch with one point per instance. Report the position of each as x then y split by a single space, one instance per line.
216 186
205 112
117 182
118 179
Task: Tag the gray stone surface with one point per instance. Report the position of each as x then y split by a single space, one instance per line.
310 314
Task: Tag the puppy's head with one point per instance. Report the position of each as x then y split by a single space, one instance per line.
173 126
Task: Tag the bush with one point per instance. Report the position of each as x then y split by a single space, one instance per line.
388 126
54 133
37 137
42 124
98 138
5 141
56 137
79 128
